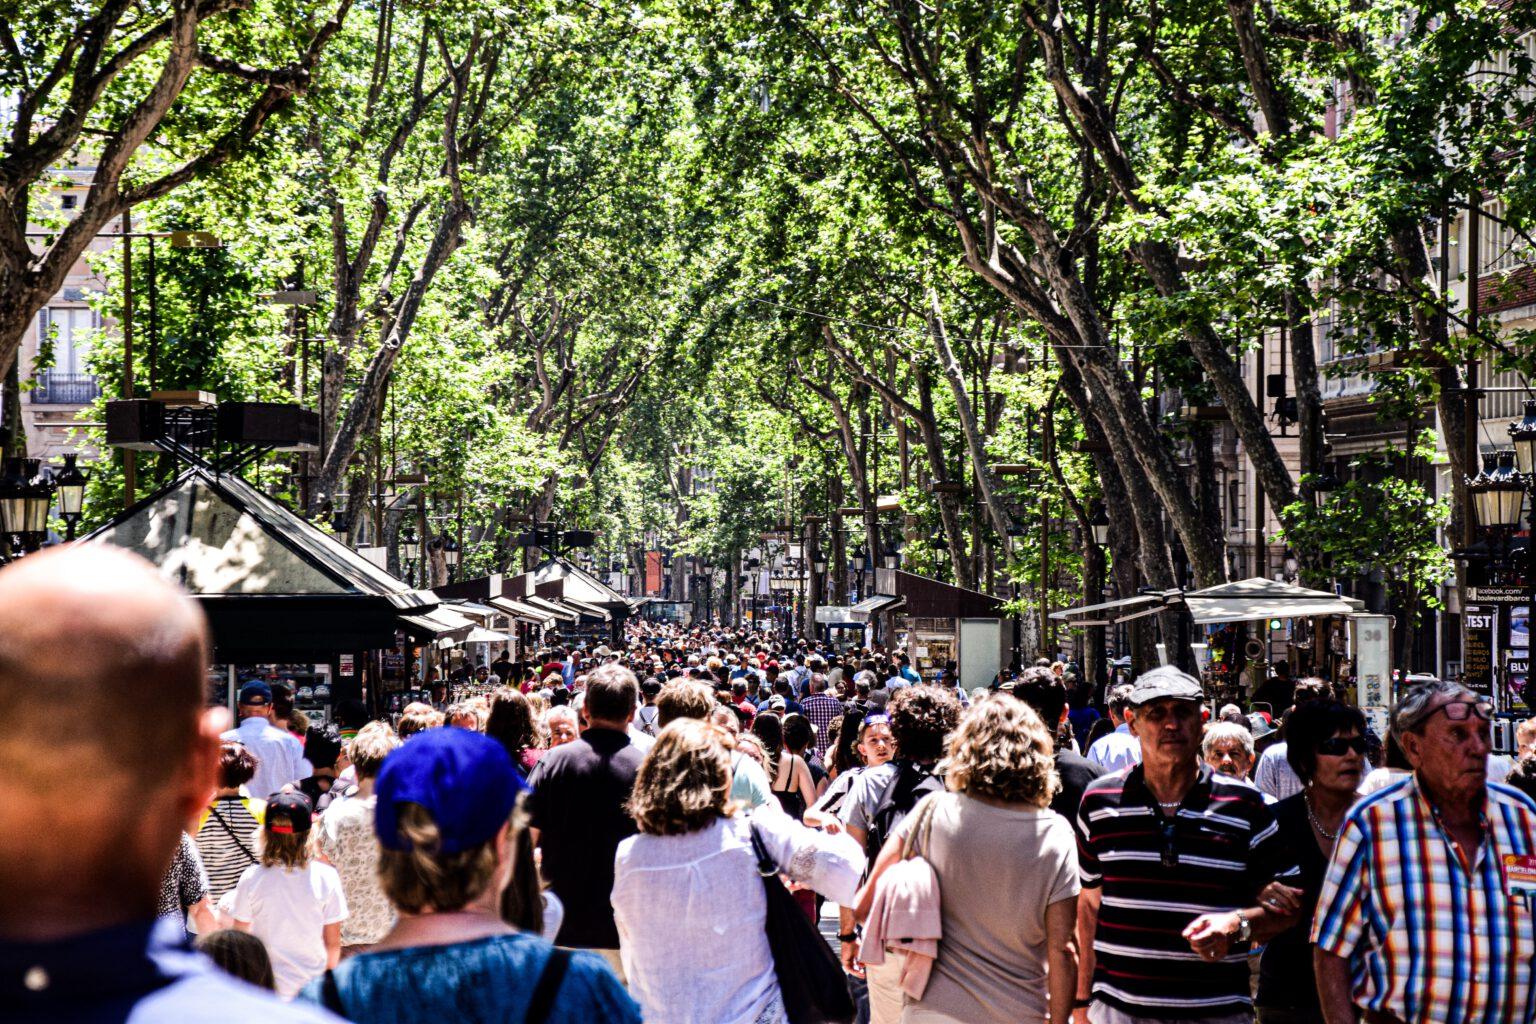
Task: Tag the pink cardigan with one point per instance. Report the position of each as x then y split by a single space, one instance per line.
905 917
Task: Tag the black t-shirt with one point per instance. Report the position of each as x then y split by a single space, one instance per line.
502 670
1076 772
1285 971
577 804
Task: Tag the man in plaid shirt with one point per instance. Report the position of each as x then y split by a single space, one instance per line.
822 709
1425 915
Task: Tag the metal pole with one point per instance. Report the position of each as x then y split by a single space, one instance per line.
1469 406
154 321
1530 571
1260 549
130 465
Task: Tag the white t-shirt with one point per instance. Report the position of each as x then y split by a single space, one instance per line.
288 911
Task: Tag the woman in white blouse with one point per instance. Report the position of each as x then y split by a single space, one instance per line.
687 897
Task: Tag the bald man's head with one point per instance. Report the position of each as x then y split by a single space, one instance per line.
95 644
104 739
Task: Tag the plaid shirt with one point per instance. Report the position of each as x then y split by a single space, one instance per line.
822 709
1429 939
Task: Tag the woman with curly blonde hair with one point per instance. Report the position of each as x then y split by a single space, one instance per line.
1007 874
687 898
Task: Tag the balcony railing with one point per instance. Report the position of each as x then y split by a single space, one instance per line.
57 388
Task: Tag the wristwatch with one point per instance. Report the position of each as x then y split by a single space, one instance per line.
1244 927
848 937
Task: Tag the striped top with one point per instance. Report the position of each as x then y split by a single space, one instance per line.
1157 874
227 852
1430 938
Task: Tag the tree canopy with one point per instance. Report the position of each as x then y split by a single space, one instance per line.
688 273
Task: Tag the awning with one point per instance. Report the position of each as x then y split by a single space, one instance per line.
1250 600
474 610
834 614
1258 599
589 610
522 611
481 635
552 609
1108 613
438 624
874 605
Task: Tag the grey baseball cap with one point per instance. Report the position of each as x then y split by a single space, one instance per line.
1164 683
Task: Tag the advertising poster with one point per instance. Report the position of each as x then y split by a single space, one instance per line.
1517 669
1479 652
1519 627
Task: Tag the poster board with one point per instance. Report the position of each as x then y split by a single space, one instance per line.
1479 647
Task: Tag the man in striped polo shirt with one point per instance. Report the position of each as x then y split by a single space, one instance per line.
1173 859
1426 911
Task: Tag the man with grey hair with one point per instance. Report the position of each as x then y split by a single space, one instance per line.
1176 862
1119 749
1228 749
1425 913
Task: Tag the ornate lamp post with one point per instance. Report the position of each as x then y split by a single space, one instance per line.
69 485
1098 522
1523 434
25 496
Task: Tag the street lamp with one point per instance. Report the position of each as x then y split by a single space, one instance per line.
449 548
1497 493
859 558
1523 434
1098 522
69 485
24 500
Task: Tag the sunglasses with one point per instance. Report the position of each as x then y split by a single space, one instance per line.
878 718
1335 746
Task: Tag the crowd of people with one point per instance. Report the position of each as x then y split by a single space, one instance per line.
656 831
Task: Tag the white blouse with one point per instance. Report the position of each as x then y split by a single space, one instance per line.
691 911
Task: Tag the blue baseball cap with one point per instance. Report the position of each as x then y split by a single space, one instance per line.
256 693
466 782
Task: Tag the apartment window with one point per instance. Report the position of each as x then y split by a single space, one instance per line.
1504 66
68 200
1500 248
67 380
1234 505
72 329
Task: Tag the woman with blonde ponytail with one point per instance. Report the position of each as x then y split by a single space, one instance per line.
458 869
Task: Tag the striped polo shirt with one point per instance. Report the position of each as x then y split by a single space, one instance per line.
1432 937
1158 873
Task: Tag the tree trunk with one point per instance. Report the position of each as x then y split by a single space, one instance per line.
380 369
975 444
13 435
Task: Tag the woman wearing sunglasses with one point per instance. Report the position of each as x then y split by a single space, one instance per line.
1326 748
874 747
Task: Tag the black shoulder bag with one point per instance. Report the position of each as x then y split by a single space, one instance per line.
811 977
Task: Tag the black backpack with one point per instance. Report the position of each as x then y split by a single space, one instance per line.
912 782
